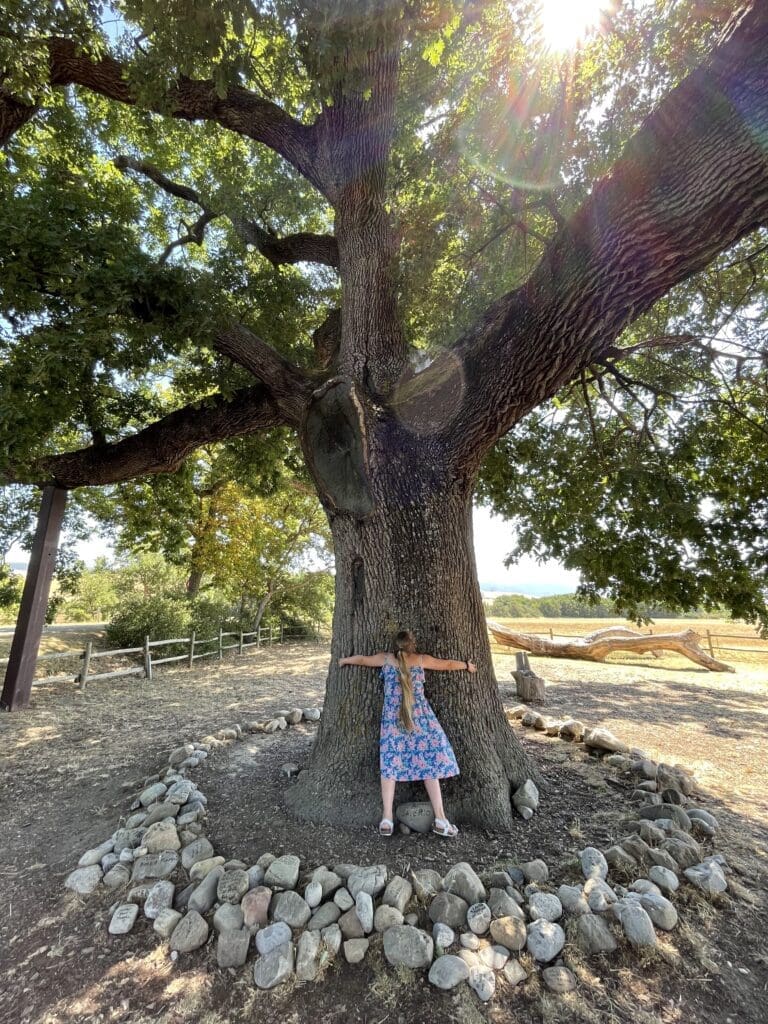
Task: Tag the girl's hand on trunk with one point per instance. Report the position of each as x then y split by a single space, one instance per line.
471 666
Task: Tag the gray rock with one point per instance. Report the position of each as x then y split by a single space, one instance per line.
602 739
127 838
355 950
311 714
426 883
479 918
332 939
593 935
180 754
655 811
503 905
159 812
533 720
273 937
324 916
447 972
152 793
233 885
190 933
509 932
385 917
708 877
290 769
514 972
684 855
463 881
160 898
636 847
202 868
308 956
313 897
449 909
666 880
572 730
573 899
482 981
443 935
620 859
643 885
181 792
663 859
593 863
535 871
351 926
255 876
165 922
635 922
329 880
408 946
371 879
155 865
283 872
232 947
204 896
228 918
123 919
526 798
84 880
558 979
290 908
294 716
545 906
94 856
162 836
343 900
545 940
600 896
469 940
397 893
276 967
419 815
660 910
699 813
364 910
135 820
117 877
493 956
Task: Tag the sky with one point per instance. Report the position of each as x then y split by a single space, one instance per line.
494 539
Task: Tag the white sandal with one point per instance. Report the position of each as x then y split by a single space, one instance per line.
443 827
386 827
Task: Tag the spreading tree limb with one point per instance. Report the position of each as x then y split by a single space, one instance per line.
598 645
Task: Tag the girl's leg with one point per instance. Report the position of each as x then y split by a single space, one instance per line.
432 787
387 797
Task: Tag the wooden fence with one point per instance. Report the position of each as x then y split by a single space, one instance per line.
263 636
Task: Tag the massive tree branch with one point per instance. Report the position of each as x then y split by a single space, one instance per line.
162 446
304 246
241 110
691 182
289 387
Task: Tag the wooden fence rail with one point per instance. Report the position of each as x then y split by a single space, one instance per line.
263 636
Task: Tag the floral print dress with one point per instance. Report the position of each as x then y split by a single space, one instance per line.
424 753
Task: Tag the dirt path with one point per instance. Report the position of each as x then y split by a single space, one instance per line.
67 765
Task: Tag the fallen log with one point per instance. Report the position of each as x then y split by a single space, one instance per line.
612 640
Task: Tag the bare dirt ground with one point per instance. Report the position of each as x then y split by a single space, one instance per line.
67 761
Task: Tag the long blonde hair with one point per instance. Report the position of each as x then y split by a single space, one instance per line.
405 643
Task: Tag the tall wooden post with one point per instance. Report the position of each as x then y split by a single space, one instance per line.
34 601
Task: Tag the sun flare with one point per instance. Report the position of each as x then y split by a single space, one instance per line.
564 23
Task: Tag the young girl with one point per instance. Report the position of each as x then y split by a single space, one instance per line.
413 745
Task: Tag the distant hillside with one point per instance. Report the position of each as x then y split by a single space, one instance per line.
569 606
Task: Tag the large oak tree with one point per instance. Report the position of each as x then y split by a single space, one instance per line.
394 229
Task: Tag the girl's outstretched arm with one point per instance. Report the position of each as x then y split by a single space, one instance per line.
371 661
448 665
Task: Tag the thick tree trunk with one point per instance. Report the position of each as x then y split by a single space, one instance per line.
410 564
194 580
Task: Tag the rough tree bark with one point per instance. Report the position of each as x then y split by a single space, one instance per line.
603 642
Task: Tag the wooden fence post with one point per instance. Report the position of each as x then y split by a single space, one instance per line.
709 642
270 634
22 658
86 663
281 631
551 634
191 659
240 647
147 659
221 652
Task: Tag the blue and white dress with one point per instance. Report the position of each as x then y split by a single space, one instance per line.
424 753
